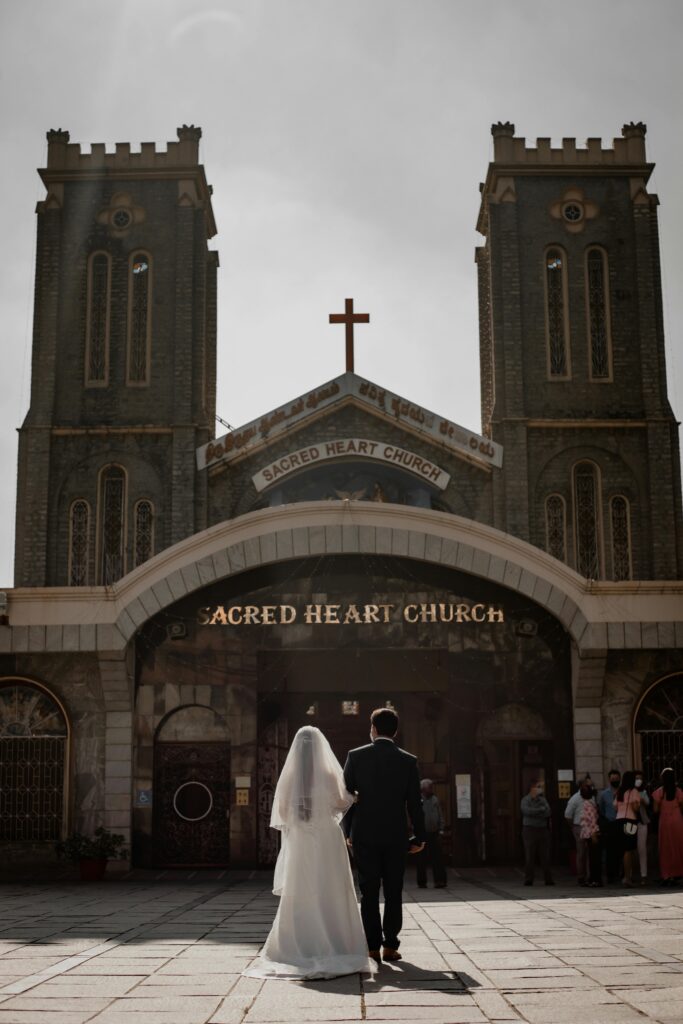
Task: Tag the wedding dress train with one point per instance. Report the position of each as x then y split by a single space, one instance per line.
317 932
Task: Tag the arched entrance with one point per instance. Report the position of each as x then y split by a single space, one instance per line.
34 735
192 789
658 728
323 640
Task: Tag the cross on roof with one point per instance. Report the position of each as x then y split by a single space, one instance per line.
349 318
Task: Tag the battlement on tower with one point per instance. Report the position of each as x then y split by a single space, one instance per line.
63 155
629 150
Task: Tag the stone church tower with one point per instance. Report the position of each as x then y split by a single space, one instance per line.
123 375
572 356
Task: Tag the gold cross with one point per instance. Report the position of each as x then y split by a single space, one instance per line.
349 318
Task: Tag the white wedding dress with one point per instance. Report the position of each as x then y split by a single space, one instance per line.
317 932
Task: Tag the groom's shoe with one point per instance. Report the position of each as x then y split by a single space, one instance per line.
391 954
374 955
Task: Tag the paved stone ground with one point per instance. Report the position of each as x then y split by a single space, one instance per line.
168 949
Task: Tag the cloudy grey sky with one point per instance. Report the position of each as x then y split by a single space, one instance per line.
345 140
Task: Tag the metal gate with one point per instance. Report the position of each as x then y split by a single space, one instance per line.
191 804
659 749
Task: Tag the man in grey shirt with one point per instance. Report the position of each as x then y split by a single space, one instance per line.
536 833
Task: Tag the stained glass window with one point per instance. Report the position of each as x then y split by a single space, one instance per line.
587 519
79 543
97 342
556 313
33 736
598 316
556 527
112 523
621 537
144 531
139 319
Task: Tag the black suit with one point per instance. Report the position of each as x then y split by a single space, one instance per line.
387 782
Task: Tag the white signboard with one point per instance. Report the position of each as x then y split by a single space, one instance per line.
358 447
392 407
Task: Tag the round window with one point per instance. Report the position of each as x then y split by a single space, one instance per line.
121 219
192 801
572 212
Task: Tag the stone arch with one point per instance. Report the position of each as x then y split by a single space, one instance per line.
195 722
275 535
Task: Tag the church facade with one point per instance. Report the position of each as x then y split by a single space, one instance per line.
184 602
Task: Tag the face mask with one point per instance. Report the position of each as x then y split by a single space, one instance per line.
639 783
614 783
586 793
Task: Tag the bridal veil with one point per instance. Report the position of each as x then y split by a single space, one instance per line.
317 931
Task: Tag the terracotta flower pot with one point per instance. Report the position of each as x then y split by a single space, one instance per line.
92 868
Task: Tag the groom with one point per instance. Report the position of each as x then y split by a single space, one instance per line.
386 781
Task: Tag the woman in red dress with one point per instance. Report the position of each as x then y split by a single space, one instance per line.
668 803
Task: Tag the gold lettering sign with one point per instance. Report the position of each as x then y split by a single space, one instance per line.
349 614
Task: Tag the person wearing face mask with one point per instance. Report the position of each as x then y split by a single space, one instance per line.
536 815
643 827
581 814
610 830
627 806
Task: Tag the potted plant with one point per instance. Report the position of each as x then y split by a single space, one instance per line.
91 853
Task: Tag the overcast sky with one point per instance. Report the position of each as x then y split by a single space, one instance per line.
345 140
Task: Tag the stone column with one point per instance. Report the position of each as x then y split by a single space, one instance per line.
588 677
117 685
588 743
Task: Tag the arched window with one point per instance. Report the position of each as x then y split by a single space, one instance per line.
556 313
597 298
620 524
139 319
97 319
112 524
587 520
556 526
79 543
144 531
33 758
658 728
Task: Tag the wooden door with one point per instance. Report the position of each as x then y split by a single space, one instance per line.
191 804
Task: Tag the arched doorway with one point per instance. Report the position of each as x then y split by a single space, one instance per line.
658 728
34 735
192 789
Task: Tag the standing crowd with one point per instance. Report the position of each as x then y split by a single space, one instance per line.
612 829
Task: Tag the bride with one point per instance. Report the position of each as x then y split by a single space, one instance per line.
317 932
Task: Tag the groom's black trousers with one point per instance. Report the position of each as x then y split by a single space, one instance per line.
381 865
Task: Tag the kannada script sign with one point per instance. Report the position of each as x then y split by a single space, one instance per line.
358 447
349 385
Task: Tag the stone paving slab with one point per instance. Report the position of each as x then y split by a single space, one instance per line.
170 949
